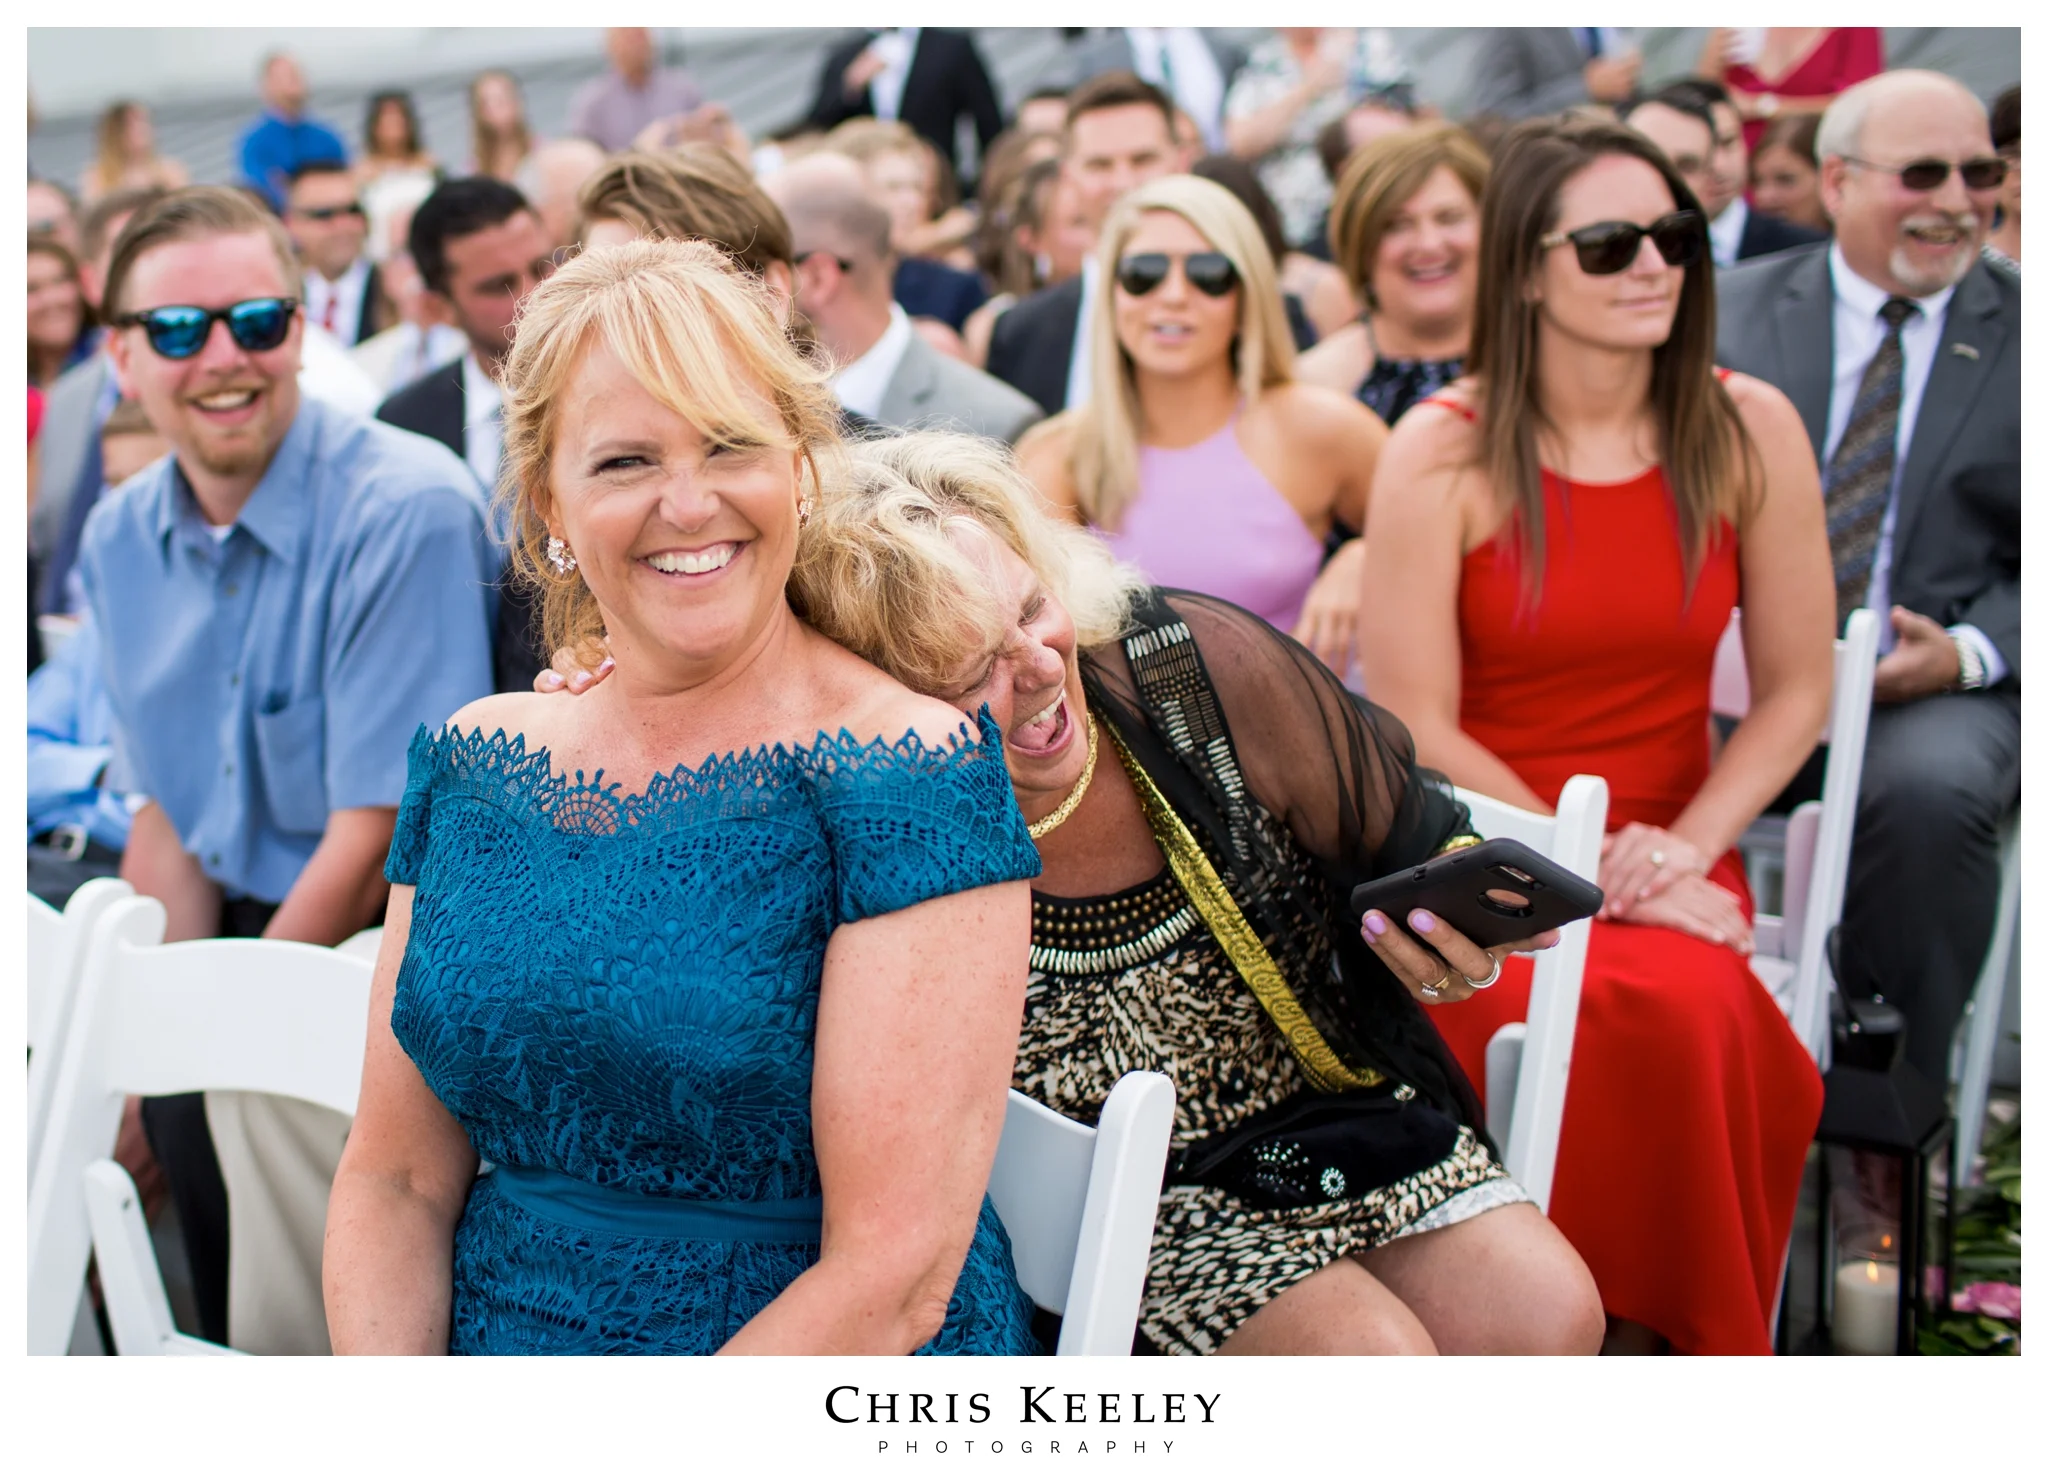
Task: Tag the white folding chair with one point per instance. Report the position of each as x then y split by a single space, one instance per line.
1979 1037
274 1017
56 956
1791 947
1529 1063
1079 1203
364 944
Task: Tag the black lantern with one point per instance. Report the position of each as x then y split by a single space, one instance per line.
1872 1269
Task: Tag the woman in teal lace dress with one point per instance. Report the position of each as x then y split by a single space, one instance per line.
720 970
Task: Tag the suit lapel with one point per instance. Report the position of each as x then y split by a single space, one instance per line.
1804 325
1953 384
911 387
366 317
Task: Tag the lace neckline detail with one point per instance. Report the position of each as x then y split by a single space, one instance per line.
526 781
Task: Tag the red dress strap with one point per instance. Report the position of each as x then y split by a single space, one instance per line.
1449 405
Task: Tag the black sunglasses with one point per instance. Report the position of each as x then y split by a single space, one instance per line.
1923 175
328 213
1207 272
1608 247
180 332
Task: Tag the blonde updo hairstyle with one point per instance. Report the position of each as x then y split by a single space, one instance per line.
701 337
884 575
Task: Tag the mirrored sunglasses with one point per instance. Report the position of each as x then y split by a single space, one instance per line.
179 331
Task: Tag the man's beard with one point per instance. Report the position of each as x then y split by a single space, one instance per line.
1924 282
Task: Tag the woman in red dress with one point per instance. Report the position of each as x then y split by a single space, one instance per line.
1773 71
1554 547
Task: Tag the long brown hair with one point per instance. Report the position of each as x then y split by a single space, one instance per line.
489 149
1706 453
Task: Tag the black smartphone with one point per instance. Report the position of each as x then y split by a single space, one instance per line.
1491 893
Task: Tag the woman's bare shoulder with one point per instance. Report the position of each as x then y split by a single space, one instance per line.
536 716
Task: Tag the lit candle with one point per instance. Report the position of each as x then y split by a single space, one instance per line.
1866 1308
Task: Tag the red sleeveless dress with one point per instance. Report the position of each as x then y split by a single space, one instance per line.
1691 1103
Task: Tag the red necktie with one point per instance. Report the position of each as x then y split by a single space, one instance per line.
327 318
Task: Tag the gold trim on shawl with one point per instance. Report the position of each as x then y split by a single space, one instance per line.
1211 899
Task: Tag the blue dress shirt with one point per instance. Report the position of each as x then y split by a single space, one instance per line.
275 146
70 741
265 677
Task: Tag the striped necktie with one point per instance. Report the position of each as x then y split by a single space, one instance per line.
1858 481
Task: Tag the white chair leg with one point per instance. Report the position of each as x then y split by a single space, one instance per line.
1987 1008
137 1307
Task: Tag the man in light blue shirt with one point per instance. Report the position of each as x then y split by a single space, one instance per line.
281 604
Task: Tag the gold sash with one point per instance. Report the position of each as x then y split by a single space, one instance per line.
1211 899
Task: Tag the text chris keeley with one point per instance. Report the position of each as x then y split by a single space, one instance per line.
849 1404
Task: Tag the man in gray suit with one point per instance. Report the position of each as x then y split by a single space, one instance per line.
1901 348
1528 71
887 371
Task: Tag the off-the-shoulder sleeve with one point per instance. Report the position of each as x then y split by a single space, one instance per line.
409 834
907 822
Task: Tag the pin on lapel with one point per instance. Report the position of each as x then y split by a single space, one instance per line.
1967 351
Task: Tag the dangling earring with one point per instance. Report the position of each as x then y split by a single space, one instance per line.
559 556
803 511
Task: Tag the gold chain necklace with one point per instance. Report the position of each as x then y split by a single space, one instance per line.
1065 809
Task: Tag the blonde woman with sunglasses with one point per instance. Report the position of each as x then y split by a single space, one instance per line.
1200 458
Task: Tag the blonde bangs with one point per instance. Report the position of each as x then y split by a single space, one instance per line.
699 335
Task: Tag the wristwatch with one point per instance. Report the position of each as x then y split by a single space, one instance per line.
1969 663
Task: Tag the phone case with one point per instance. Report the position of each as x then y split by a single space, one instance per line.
1458 888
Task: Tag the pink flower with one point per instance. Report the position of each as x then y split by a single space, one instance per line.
1991 1298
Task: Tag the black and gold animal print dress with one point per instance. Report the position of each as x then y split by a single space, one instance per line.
1137 980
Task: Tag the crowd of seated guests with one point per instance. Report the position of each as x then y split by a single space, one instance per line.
1409 391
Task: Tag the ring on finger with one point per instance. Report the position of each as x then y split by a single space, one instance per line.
1656 858
1491 977
1435 988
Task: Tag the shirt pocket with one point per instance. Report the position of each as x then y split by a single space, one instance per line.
291 748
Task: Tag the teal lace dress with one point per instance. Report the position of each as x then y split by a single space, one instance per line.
616 995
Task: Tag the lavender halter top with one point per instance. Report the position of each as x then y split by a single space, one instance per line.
1206 520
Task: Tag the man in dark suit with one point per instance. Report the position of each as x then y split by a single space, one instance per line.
1681 120
1119 135
481 249
1736 231
327 225
1528 71
927 78
1901 349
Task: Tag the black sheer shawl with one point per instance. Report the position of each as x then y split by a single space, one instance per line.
1339 773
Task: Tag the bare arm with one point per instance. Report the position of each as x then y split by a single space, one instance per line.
1351 438
1045 457
1408 624
917 1034
387 1271
1788 610
155 863
1252 134
341 889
